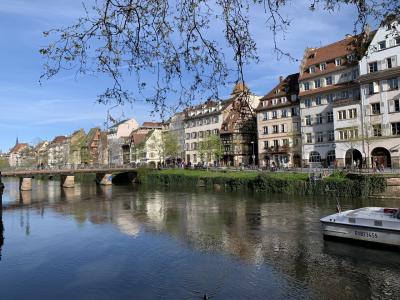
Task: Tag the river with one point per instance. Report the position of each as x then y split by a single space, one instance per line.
132 242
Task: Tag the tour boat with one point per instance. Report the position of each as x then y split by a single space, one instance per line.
370 224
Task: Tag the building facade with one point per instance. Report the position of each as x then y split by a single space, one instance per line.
328 75
58 152
279 125
380 97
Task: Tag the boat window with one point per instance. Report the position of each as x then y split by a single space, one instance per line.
352 220
378 222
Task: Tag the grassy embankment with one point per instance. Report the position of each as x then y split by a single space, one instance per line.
337 184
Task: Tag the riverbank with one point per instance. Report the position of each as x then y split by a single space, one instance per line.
337 184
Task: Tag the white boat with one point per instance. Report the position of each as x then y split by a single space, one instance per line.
372 224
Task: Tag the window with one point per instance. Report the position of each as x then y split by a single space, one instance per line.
315 157
317 83
265 130
376 108
382 45
307 102
276 143
389 63
306 86
352 113
275 129
342 115
343 135
329 116
319 118
266 144
395 128
370 88
329 98
187 136
318 100
215 131
338 61
265 116
201 134
308 120
377 130
285 142
331 135
397 39
396 103
329 80
282 127
274 114
322 66
373 67
319 137
283 113
393 84
294 112
351 57
312 69
308 138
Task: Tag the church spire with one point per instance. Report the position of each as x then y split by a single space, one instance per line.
16 142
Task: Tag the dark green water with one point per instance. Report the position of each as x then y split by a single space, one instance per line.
125 242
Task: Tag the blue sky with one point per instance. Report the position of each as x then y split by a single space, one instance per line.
65 103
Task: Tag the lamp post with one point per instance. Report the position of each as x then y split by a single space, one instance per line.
253 156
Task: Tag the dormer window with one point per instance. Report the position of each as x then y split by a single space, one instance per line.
382 45
311 70
338 61
277 91
312 55
350 57
397 39
322 66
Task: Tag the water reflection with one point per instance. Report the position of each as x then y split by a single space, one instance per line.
230 245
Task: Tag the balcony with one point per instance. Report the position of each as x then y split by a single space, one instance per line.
278 149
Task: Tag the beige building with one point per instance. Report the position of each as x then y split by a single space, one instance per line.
279 124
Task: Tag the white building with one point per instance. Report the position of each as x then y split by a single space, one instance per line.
116 138
380 97
327 75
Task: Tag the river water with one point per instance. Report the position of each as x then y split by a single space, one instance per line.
130 242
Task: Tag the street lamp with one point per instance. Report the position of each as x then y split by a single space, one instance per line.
253 156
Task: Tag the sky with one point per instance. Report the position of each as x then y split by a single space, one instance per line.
60 106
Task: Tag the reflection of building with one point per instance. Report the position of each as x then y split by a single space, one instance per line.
327 75
278 123
380 94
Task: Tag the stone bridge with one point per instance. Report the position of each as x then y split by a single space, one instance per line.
103 175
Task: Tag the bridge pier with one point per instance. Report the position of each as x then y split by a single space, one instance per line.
67 181
25 183
104 179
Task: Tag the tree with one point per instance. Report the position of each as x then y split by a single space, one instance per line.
171 145
171 40
210 149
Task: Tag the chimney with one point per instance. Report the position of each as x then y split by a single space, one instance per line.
280 79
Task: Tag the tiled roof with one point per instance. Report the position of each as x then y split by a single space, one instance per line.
19 147
59 139
152 124
138 138
328 54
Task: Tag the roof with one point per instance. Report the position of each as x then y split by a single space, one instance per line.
315 56
138 138
240 87
118 123
19 147
152 124
59 139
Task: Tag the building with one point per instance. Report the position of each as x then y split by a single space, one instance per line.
117 138
233 120
145 144
19 154
175 126
380 98
77 143
328 75
239 128
90 148
58 152
41 153
279 125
